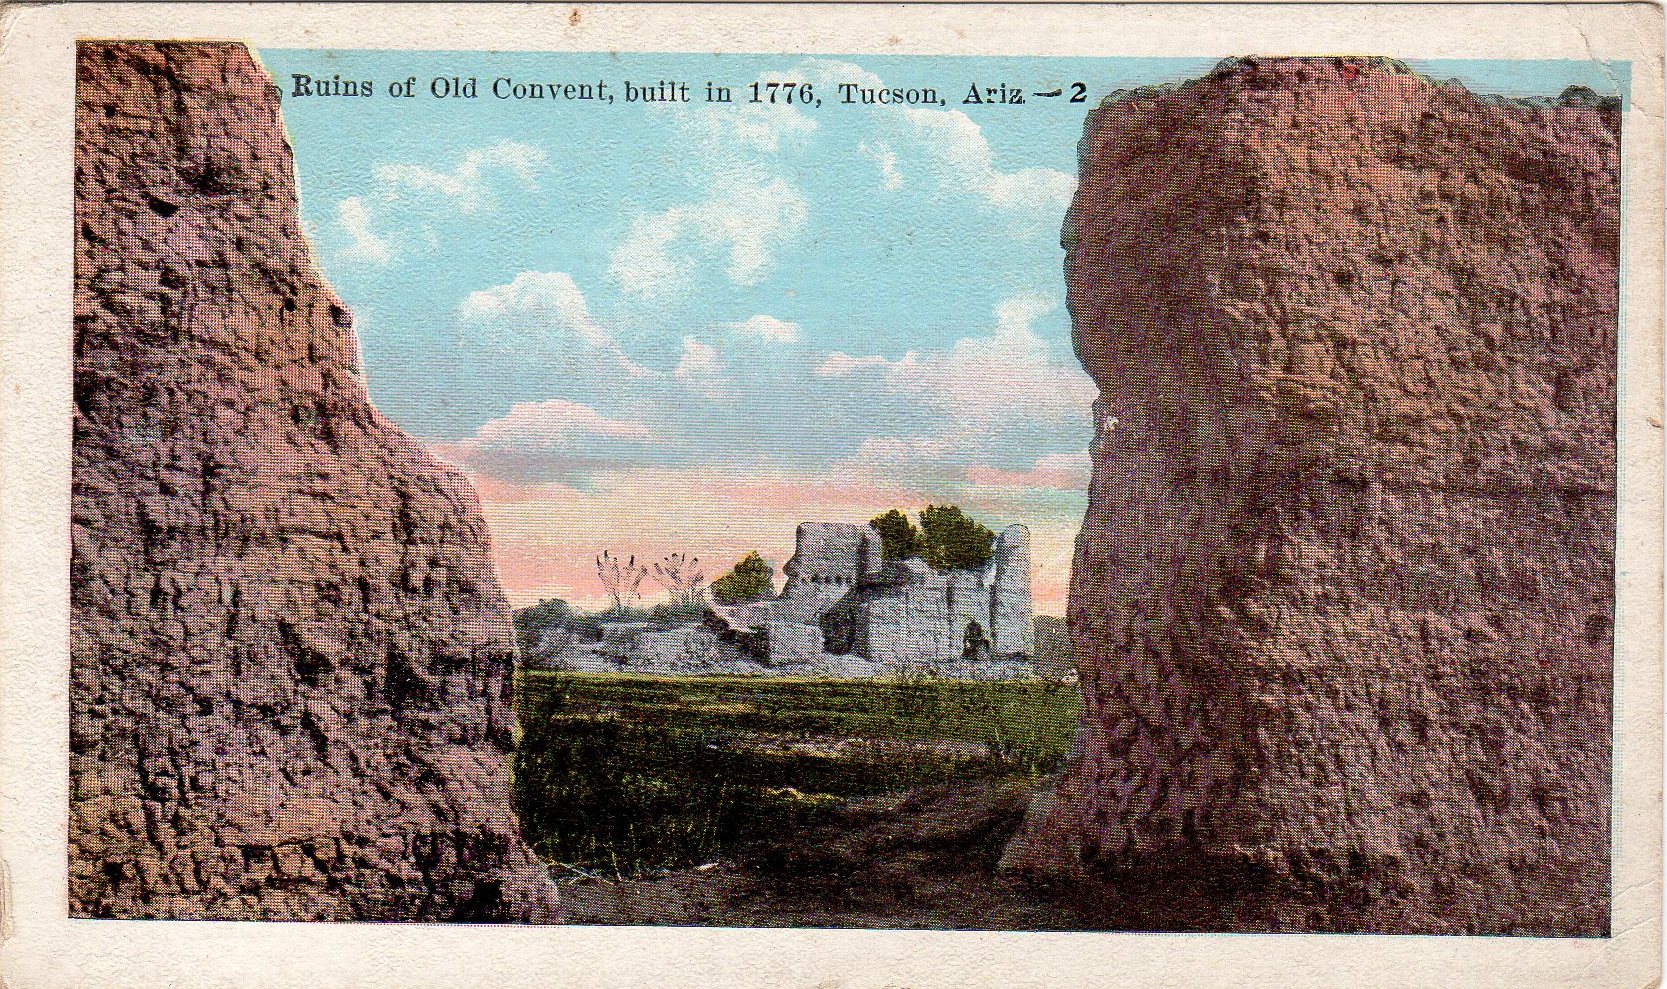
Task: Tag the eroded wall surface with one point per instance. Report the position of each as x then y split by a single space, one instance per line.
1343 597
291 659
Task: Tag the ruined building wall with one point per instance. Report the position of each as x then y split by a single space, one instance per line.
910 621
290 656
829 560
898 613
832 553
1342 599
1012 616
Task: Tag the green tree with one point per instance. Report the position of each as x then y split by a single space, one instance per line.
950 540
532 622
899 539
750 580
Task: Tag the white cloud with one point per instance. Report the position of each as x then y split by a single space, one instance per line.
552 424
1006 374
556 440
551 295
899 453
466 184
543 309
838 364
641 264
966 160
1011 368
722 130
543 317
953 148
748 212
769 328
890 178
701 370
699 360
354 219
745 221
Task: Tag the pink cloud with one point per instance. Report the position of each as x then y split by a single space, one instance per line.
1049 594
546 536
542 439
501 492
552 423
1057 471
530 573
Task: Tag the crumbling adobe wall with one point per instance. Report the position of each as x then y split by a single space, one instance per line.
291 659
1012 617
1342 600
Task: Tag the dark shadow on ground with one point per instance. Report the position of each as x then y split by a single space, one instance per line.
920 860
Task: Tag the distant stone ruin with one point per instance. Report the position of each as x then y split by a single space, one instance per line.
843 599
845 611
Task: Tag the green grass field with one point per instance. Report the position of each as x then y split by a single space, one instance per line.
626 773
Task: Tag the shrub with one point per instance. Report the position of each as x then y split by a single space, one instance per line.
682 576
532 622
677 612
947 539
950 540
899 539
621 579
750 580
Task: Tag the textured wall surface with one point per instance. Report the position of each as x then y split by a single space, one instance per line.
290 656
1012 617
1342 600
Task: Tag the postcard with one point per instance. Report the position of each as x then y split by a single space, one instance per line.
831 495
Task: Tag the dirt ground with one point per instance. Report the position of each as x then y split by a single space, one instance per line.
925 859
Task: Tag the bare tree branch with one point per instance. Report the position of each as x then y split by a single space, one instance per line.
621 581
683 577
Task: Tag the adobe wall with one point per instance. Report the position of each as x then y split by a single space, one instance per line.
290 657
1342 602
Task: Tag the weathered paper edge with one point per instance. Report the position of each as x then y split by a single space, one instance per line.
43 949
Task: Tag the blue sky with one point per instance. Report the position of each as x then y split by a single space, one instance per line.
664 327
